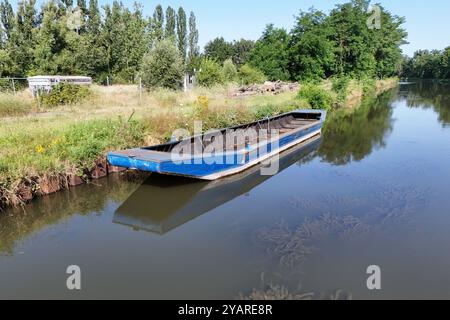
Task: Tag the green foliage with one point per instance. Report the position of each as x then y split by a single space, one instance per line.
84 143
340 86
182 39
109 42
210 73
162 67
171 23
64 94
368 86
241 51
312 51
229 70
427 64
250 75
194 50
157 23
340 43
315 96
270 54
221 50
75 146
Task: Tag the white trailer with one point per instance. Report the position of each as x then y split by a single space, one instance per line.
39 84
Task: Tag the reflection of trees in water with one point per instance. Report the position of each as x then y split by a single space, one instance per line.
430 95
19 223
351 135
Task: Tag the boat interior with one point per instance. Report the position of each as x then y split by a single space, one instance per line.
261 131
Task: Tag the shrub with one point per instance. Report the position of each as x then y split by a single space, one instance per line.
64 94
229 71
250 75
340 86
317 97
369 86
162 67
210 73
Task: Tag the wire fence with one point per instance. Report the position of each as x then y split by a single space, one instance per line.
13 85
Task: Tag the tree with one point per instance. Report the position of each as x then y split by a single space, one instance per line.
446 63
271 54
82 5
219 50
194 49
354 40
229 71
170 23
250 75
182 33
50 42
311 53
427 64
210 73
162 67
158 23
6 19
241 51
21 40
5 63
67 3
93 18
387 41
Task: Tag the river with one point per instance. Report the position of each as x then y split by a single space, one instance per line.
373 190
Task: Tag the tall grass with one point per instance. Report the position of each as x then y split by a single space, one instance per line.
14 105
33 150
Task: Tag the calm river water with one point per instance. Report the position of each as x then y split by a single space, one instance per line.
374 190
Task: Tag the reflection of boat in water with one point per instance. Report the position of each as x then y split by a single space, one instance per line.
163 203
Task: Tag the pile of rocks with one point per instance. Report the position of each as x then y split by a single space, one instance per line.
268 87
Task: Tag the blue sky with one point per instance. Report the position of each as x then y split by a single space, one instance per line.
428 23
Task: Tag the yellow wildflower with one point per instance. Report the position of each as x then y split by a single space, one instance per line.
203 101
40 149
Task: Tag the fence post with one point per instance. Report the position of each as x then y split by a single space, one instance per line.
140 89
14 86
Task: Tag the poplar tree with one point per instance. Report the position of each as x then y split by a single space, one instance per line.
182 33
158 23
93 18
170 23
22 41
6 18
194 49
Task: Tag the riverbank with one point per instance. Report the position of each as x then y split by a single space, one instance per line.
45 150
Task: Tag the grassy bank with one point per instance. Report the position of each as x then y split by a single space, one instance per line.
43 149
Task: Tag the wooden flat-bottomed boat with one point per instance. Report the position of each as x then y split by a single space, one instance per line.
249 145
